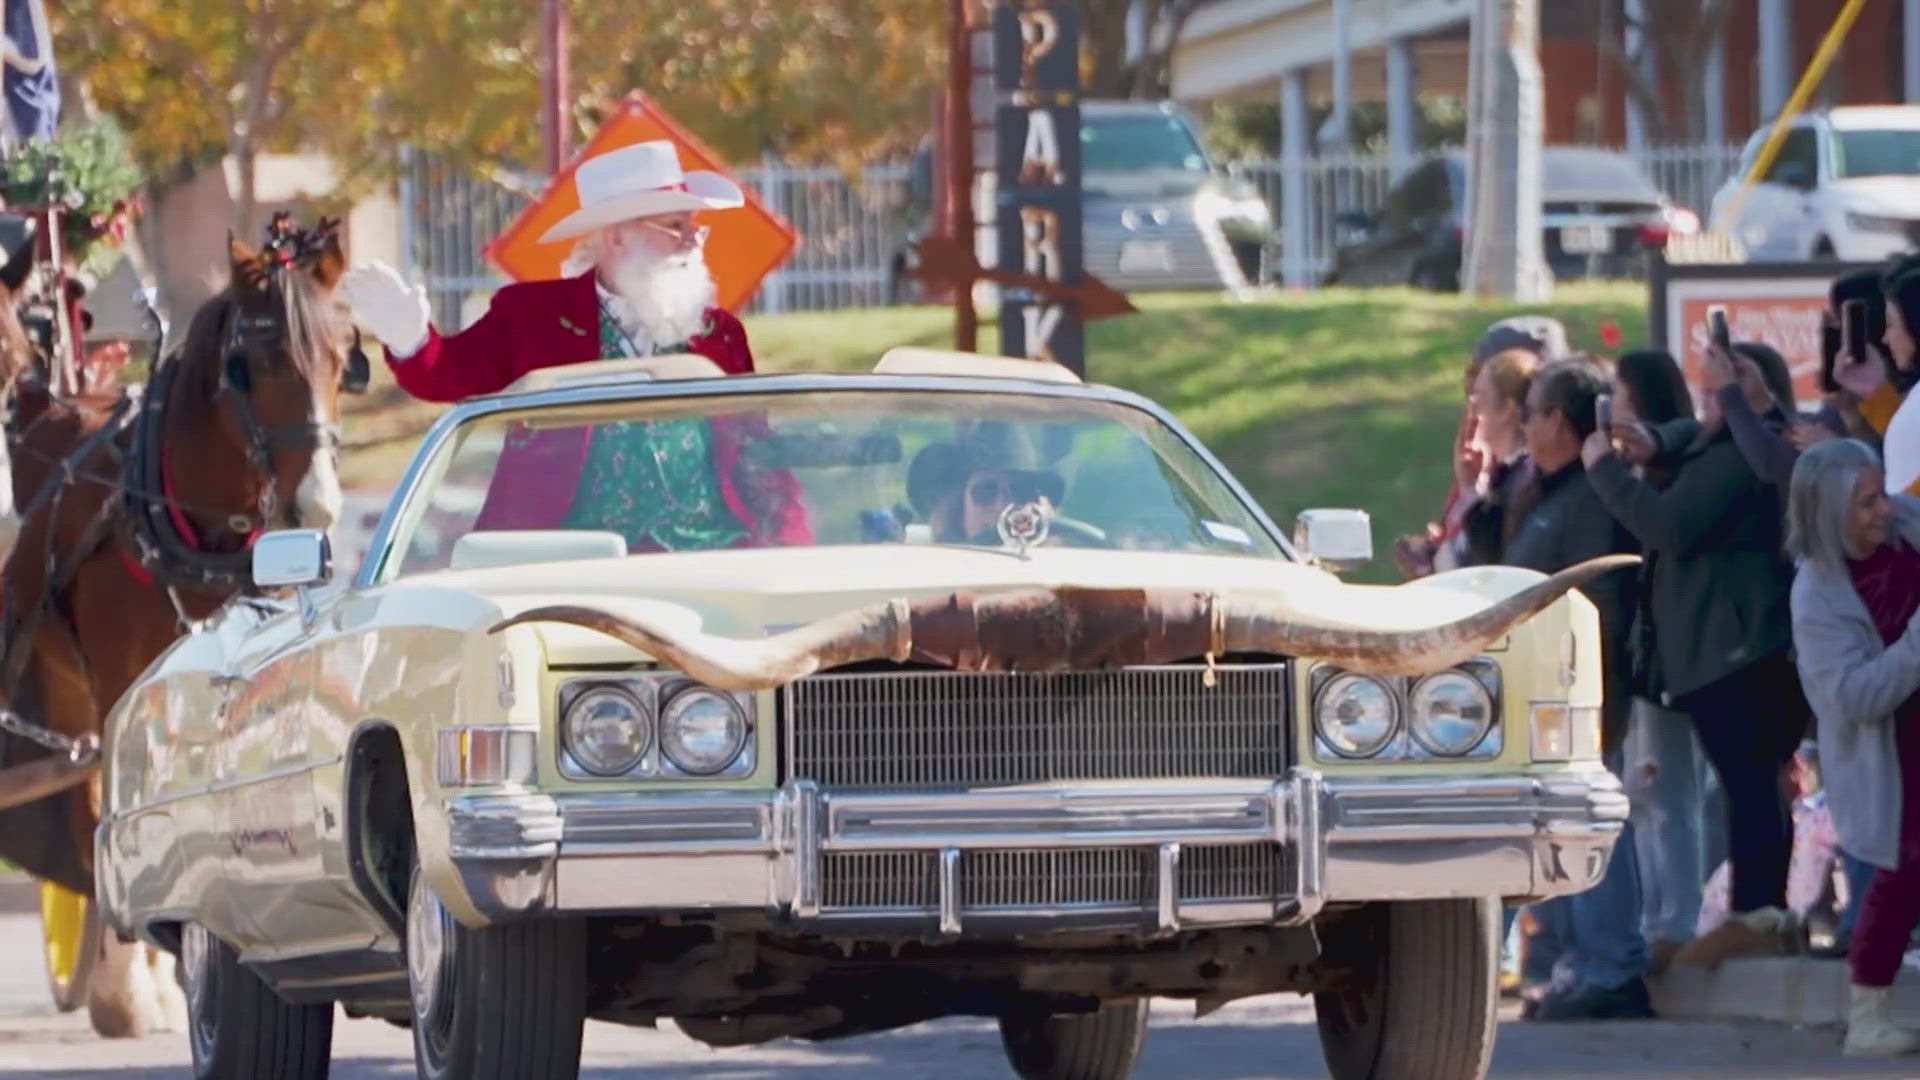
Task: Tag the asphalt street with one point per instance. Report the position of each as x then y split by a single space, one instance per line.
1263 1039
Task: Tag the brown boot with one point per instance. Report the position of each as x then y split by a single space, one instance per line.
1660 954
1763 932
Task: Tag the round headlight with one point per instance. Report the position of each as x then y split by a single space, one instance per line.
1452 712
606 731
702 731
1355 715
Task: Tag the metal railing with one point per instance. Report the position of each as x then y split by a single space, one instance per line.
853 227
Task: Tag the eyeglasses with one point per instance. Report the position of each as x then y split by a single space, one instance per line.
688 235
989 491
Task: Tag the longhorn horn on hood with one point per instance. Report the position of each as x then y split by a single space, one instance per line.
1066 628
880 632
1250 626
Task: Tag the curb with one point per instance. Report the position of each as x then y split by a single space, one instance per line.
1777 990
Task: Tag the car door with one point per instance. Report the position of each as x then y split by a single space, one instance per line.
264 796
1775 221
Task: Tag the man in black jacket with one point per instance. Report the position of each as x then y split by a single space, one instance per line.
1601 954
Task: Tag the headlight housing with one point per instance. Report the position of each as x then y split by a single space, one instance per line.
1356 716
703 731
1880 223
607 731
653 726
1449 713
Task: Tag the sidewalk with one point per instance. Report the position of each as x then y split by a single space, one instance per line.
1782 990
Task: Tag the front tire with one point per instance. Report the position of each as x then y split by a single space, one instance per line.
1424 996
1076 1046
239 1028
497 1003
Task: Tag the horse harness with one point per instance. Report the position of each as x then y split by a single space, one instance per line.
151 525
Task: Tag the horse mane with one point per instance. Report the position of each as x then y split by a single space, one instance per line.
312 328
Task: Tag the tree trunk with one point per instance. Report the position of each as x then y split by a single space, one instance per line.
1103 31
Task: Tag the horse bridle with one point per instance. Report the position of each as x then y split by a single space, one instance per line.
248 334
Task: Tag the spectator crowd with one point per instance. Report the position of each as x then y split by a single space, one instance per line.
1761 664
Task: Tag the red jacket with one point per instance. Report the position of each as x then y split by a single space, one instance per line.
536 324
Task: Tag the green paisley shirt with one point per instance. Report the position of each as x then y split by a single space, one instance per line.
652 482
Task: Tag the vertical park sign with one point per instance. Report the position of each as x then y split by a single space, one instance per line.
1037 223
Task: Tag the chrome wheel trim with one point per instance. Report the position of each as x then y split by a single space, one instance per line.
429 960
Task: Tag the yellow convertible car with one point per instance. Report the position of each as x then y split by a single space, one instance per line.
813 705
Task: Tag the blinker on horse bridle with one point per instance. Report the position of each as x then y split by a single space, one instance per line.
249 333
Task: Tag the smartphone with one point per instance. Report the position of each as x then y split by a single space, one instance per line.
1717 326
1853 327
1830 346
1603 412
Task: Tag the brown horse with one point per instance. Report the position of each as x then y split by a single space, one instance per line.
147 525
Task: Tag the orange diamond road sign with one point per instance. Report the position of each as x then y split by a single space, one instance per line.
744 247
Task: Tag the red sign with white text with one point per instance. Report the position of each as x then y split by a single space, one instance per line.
1789 324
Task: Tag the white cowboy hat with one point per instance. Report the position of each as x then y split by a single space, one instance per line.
640 181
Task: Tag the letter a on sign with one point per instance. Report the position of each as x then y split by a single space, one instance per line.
1040 161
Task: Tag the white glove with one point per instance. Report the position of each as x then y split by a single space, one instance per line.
385 304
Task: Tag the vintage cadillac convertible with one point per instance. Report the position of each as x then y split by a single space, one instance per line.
1027 711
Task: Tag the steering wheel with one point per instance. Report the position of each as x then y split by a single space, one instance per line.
1093 535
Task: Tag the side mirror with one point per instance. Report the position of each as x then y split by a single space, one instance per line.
292 558
1335 539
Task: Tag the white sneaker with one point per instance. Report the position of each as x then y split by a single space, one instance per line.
1871 1031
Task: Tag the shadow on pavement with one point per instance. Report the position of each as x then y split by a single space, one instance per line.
1216 1049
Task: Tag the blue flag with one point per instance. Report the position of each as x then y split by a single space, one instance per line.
27 78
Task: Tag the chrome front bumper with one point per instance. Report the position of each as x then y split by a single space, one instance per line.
1343 840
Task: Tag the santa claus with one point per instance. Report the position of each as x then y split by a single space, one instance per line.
636 285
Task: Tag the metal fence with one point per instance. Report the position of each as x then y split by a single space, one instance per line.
852 227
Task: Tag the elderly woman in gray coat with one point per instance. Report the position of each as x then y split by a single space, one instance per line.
1856 634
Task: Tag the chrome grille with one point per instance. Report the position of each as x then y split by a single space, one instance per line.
1079 877
902 729
1114 877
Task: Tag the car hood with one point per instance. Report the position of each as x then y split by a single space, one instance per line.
1891 195
1150 184
751 594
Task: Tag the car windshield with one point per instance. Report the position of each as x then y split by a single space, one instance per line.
1140 143
1885 152
823 468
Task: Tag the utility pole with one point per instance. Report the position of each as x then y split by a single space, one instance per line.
554 79
960 178
1505 256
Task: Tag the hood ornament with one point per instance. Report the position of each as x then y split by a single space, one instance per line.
1024 525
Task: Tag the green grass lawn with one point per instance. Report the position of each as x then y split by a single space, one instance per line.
1330 398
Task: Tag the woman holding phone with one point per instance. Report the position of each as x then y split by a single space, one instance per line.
1884 400
1719 583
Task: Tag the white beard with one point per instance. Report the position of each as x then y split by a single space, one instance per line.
669 296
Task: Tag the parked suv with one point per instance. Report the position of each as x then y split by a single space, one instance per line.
1845 185
1158 213
1600 212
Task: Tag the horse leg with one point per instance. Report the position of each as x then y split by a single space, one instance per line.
121 629
120 1000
